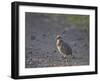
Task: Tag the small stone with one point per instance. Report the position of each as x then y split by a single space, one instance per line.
30 62
55 51
44 35
33 37
30 52
47 52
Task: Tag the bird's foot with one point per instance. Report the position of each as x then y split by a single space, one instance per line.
64 56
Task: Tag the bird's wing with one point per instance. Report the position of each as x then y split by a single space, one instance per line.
66 48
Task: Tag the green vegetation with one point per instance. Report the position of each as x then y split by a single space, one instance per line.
79 21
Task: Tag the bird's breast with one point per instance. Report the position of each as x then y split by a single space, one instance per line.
58 43
59 48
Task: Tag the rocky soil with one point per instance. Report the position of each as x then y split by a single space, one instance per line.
40 41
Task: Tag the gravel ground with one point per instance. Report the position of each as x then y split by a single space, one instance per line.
40 41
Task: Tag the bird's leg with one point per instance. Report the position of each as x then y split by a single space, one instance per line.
64 56
69 59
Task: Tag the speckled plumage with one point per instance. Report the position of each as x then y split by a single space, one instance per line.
63 47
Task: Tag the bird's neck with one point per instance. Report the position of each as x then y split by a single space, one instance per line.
59 42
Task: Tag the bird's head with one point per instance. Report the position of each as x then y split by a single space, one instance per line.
58 37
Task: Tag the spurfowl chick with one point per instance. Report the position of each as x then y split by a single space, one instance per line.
63 47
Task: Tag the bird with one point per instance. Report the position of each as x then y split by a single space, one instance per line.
64 49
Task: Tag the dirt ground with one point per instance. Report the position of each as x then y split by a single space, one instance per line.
40 41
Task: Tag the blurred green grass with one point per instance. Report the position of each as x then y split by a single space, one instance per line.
75 20
81 21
